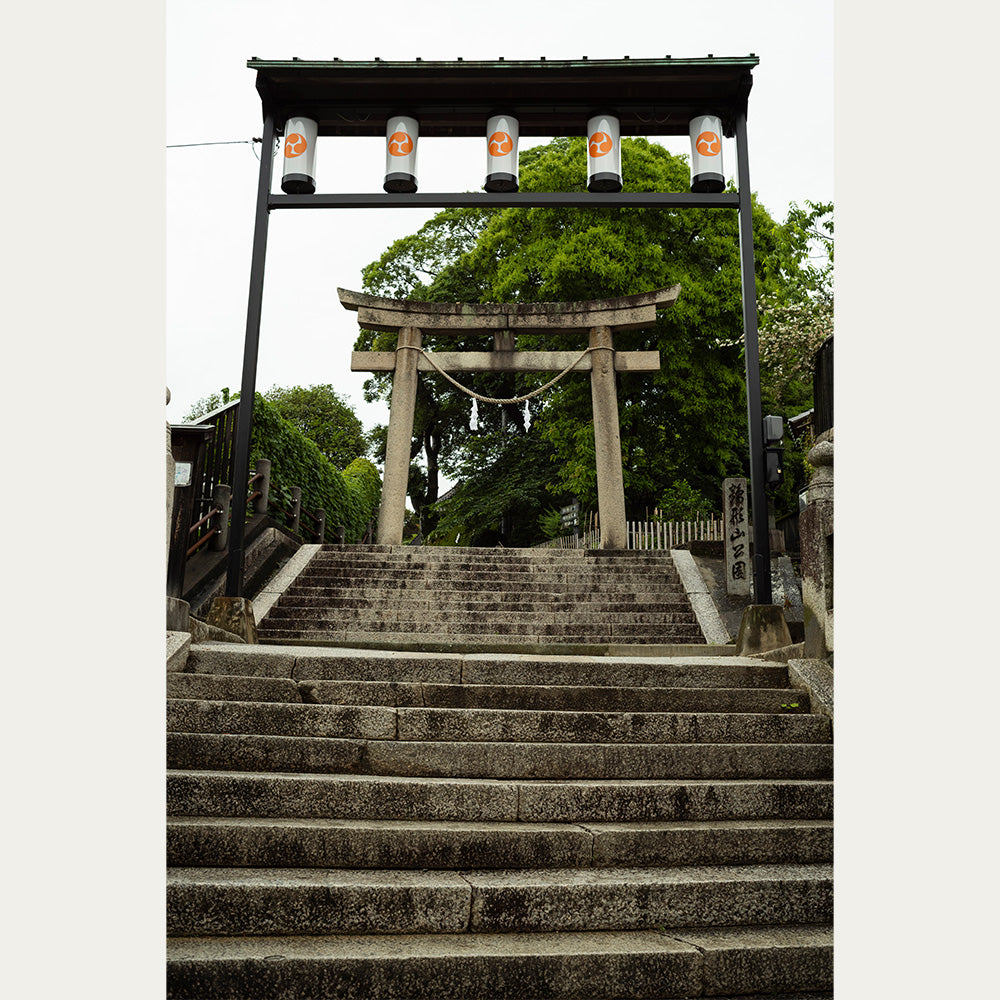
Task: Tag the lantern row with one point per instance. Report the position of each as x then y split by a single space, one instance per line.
604 170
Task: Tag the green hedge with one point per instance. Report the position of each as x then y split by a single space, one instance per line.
350 498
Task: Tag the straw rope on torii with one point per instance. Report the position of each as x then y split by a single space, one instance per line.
600 317
490 399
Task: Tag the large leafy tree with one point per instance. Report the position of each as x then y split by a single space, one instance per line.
325 417
685 424
794 326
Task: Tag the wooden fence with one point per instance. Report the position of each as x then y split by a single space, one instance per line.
652 534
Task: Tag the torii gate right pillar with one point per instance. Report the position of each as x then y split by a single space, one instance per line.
607 441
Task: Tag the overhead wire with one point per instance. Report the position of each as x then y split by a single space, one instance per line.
234 142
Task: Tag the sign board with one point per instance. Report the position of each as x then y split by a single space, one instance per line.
737 536
182 474
569 517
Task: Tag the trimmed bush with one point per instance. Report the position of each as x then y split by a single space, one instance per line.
350 498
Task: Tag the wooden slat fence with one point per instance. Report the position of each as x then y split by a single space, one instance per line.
652 534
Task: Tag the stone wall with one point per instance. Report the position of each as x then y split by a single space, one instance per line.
816 540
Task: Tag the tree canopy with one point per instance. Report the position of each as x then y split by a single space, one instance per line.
683 429
325 417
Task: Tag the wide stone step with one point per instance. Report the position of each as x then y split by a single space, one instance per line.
447 553
553 698
642 591
591 604
449 572
490 725
351 796
284 842
596 964
312 663
506 582
483 560
549 697
570 761
469 623
467 618
671 635
292 901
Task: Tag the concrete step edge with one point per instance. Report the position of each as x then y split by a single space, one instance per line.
551 697
683 962
236 901
408 724
503 760
247 794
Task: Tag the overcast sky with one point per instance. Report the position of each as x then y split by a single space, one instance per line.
306 336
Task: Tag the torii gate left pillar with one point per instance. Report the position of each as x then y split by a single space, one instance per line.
600 317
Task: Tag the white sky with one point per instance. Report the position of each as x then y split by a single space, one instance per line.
306 336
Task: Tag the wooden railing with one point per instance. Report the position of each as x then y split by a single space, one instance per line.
203 508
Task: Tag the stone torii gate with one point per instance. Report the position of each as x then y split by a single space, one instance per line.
601 317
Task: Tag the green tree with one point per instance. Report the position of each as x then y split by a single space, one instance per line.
687 422
326 418
794 325
209 404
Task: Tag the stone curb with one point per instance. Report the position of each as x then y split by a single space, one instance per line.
178 647
712 626
203 632
817 678
282 580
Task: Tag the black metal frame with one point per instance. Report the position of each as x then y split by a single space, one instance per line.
741 201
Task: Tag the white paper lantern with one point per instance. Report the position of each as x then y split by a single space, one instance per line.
299 173
706 155
604 154
501 153
401 134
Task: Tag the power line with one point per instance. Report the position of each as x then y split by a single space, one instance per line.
235 142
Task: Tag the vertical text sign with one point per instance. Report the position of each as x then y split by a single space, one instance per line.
737 534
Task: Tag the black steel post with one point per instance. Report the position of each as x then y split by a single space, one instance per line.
241 461
758 498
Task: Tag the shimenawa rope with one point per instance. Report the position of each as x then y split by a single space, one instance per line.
490 399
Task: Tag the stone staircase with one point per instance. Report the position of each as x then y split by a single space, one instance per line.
440 596
366 823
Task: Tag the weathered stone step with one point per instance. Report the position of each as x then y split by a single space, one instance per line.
597 964
490 725
313 663
428 597
643 578
549 697
410 555
598 603
570 761
470 623
352 796
234 687
240 901
465 620
670 635
284 842
553 698
511 584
